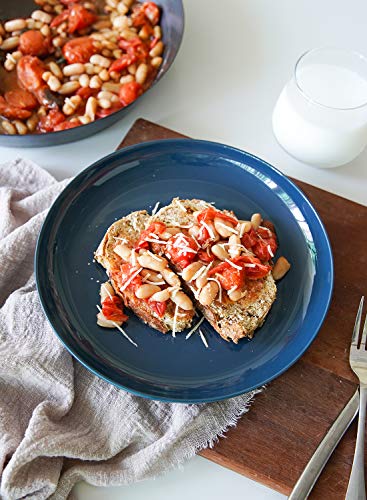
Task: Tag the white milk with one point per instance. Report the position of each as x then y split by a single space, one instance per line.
307 124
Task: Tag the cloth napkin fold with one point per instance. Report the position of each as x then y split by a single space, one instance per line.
59 423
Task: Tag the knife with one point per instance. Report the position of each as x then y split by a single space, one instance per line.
322 454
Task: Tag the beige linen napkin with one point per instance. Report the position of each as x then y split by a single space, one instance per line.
59 423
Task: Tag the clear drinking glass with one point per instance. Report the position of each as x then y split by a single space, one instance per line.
321 114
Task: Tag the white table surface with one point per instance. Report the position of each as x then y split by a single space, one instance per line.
234 60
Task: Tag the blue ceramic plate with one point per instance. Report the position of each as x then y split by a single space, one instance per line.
163 367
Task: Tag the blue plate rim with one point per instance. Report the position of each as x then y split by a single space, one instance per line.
103 162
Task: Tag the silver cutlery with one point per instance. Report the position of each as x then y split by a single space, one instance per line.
319 459
358 362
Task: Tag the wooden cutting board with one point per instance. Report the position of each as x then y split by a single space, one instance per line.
273 442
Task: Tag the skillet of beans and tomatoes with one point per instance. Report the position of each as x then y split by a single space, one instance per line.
72 62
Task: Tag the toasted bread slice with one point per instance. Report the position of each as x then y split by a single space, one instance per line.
232 320
127 231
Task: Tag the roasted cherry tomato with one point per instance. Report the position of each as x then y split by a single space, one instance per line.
113 310
158 307
129 92
102 113
151 11
203 256
33 43
86 92
181 249
79 18
156 228
228 276
262 242
56 21
13 112
123 274
122 63
51 120
135 47
66 125
79 50
209 214
253 267
21 99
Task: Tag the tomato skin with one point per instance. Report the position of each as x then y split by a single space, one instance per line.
258 241
79 50
12 112
102 113
79 18
156 228
122 63
86 92
53 118
112 309
151 11
122 274
56 21
158 307
175 246
129 92
203 256
209 214
21 99
33 43
253 273
228 276
66 125
29 71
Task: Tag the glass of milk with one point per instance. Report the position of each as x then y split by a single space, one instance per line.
320 117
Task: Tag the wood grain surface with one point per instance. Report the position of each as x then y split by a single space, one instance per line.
273 442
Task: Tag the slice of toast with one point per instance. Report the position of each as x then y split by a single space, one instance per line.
232 320
127 231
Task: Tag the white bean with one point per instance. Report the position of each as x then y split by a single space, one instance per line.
95 82
91 108
74 69
105 291
55 69
208 293
224 228
161 296
111 87
146 291
40 15
104 75
120 22
156 61
32 123
220 252
141 73
237 295
149 262
99 60
202 280
151 275
10 43
182 300
104 322
84 80
157 49
256 220
54 83
170 277
191 270
104 103
234 248
15 25
281 267
68 88
21 127
126 79
8 128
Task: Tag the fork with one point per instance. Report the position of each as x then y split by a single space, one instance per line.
358 362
